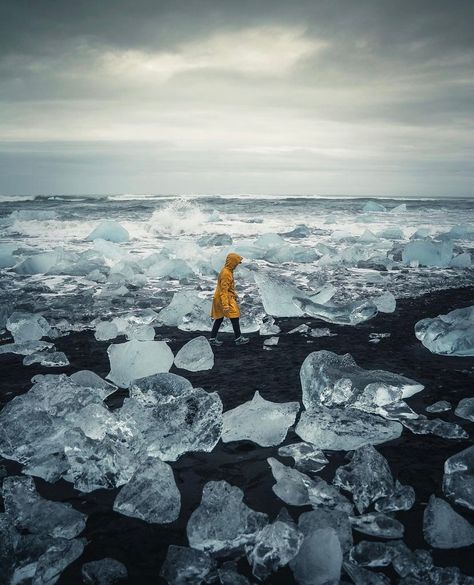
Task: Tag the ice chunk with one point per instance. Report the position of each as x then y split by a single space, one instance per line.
104 572
350 314
324 294
268 327
195 355
465 409
27 326
110 231
141 332
261 421
458 479
6 255
137 359
297 489
229 575
223 523
435 426
461 232
428 253
345 428
215 240
300 231
338 520
440 406
303 328
399 208
371 554
451 334
321 332
274 546
402 498
378 524
271 341
391 233
319 559
92 381
57 557
151 494
52 359
445 528
461 261
307 457
421 233
368 237
39 264
186 306
277 295
367 477
385 303
30 512
361 576
372 206
332 380
269 240
106 330
184 566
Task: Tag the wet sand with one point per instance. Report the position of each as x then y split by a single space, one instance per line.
240 371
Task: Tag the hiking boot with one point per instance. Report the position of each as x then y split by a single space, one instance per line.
214 341
241 340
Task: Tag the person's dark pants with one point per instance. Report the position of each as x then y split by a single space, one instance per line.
218 322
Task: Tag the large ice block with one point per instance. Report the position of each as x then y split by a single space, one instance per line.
427 253
445 528
137 359
350 314
195 355
450 334
110 231
458 479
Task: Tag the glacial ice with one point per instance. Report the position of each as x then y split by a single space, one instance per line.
385 303
186 307
350 314
463 260
195 355
391 233
7 258
104 572
368 237
372 206
377 524
458 479
50 359
322 518
371 554
274 546
270 341
440 406
215 240
399 208
40 263
308 458
57 557
106 330
229 575
465 409
151 494
185 566
319 559
345 428
427 253
445 528
277 295
222 523
362 576
27 326
25 348
450 334
461 232
330 379
110 231
269 327
367 476
435 426
402 498
261 421
137 359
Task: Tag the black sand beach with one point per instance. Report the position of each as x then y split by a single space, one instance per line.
416 460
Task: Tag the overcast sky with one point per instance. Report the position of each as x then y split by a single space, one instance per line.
360 97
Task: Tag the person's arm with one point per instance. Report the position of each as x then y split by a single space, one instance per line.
225 283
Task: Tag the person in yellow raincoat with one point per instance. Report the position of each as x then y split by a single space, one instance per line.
224 303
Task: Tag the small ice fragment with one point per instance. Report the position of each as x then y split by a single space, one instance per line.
271 341
458 479
402 498
185 565
268 327
399 208
440 406
195 355
308 458
151 494
371 554
261 421
435 426
372 206
321 332
349 314
319 559
104 572
106 330
57 557
27 326
362 576
445 528
450 334
385 303
110 231
303 328
465 409
378 524
54 359
137 359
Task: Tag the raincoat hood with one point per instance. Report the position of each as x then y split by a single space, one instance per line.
232 260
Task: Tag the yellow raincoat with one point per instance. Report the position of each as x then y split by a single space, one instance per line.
225 295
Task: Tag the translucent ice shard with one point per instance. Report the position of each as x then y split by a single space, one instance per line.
151 494
371 554
229 575
332 380
402 498
186 307
350 314
106 330
195 355
268 327
427 253
277 295
26 327
367 477
222 523
308 458
450 334
378 524
362 576
385 303
435 426
319 559
104 572
458 479
186 565
274 546
445 528
440 406
111 231
51 359
261 421
137 359
465 409
57 557
372 206
345 428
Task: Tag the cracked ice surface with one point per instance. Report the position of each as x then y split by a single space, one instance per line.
450 334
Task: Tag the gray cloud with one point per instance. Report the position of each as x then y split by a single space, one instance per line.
228 96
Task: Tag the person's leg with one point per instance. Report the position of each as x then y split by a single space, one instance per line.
236 327
215 328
